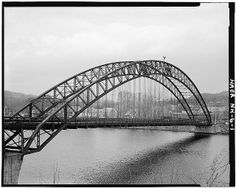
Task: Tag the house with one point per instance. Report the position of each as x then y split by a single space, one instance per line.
181 115
217 109
5 111
131 113
100 113
110 112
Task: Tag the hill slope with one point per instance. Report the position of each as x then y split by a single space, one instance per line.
14 101
216 98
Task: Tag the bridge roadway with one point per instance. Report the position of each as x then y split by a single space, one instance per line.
31 124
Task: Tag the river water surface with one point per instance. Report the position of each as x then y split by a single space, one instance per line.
128 156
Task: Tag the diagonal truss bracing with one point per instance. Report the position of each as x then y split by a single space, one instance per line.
79 92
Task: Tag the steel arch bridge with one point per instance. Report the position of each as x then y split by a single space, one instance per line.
48 113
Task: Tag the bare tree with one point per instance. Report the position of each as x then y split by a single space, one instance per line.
56 174
212 177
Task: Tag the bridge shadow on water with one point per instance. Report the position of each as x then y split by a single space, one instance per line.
137 169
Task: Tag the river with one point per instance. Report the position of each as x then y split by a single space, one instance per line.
128 156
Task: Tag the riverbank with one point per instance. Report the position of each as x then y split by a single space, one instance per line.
214 129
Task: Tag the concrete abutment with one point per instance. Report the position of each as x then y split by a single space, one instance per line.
11 167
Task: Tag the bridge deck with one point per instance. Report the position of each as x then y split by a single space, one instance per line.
105 122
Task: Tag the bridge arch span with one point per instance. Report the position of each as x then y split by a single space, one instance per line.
84 88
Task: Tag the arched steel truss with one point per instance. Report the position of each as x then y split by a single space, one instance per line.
77 93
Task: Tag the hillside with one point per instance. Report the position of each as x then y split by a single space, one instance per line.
14 101
216 99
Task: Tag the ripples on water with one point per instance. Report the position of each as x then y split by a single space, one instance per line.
124 156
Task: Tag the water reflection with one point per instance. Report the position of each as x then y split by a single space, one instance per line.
124 156
130 170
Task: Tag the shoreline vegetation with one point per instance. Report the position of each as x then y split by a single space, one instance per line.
214 129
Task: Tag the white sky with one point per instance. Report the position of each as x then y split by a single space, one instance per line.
44 46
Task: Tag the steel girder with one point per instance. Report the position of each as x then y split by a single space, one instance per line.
77 93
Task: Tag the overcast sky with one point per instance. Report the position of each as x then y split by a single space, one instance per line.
44 46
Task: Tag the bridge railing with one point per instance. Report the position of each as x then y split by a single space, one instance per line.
15 123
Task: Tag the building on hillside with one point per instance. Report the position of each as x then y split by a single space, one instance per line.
217 109
5 111
110 112
218 114
179 115
131 113
99 113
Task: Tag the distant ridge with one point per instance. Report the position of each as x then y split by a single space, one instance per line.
216 97
16 100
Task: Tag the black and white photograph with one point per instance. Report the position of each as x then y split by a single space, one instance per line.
117 94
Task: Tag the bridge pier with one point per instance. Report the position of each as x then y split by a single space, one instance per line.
11 167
